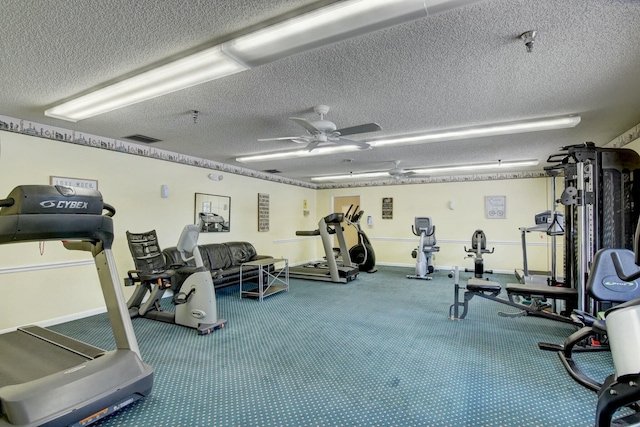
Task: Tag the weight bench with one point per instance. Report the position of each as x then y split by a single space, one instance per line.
491 291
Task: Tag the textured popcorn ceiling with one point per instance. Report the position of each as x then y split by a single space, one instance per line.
460 68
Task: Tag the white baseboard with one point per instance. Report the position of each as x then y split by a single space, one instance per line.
438 267
63 319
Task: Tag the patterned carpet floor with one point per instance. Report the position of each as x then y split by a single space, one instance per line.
378 351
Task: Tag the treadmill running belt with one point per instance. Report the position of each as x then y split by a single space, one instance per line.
26 358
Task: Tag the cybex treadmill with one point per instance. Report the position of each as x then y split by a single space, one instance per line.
339 270
47 379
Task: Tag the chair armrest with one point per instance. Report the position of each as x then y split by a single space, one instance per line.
132 278
185 269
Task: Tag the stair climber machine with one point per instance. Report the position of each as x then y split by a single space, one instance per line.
48 379
424 228
362 253
338 269
195 302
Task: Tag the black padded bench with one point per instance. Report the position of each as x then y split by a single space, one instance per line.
477 285
491 291
543 291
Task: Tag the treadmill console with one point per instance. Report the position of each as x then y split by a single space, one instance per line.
51 199
48 212
334 218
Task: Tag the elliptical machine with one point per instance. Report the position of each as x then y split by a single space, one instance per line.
424 228
195 302
362 253
478 248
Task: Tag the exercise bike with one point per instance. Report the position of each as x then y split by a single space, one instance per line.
195 302
478 248
361 254
423 254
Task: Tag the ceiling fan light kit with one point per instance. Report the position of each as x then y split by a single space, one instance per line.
330 24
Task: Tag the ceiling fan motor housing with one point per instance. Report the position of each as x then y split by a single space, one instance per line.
324 125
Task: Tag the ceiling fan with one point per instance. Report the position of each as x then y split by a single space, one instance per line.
324 131
398 173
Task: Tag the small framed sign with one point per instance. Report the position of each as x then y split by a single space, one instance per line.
91 184
495 207
263 212
387 208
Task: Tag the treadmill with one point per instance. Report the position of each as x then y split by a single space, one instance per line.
336 269
48 379
551 223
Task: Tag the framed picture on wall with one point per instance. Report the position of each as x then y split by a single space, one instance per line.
263 212
495 207
387 208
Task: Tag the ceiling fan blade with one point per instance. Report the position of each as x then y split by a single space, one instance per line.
368 127
305 124
360 144
312 145
283 138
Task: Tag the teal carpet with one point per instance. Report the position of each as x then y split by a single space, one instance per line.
379 351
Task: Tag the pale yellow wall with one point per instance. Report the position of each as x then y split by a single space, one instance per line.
132 185
393 240
634 145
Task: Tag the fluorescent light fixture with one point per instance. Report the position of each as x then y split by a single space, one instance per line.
477 166
281 155
330 24
363 175
506 128
434 170
189 71
336 22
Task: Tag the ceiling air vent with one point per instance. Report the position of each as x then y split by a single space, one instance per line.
141 138
272 171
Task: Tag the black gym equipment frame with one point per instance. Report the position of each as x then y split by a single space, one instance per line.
602 205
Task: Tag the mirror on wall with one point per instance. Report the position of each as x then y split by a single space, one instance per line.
215 212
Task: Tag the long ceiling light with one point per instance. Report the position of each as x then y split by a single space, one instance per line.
506 128
189 71
280 155
434 170
338 21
